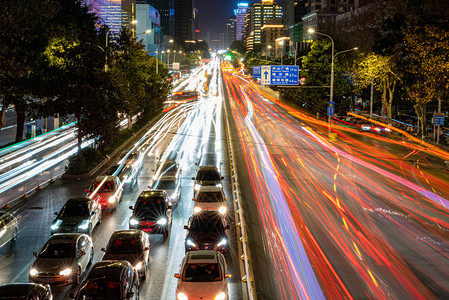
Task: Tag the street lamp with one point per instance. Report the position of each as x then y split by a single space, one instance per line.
168 58
170 41
268 50
331 98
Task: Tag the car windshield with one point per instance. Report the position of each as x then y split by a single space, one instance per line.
124 246
59 250
208 175
202 273
201 224
165 185
150 207
100 290
210 197
107 187
74 210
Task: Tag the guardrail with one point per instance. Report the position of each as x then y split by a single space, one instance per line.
244 253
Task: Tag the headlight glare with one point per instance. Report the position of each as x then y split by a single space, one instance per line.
181 296
55 225
221 296
190 243
65 272
196 209
222 243
197 186
84 225
219 185
139 265
222 210
162 221
133 221
33 272
111 200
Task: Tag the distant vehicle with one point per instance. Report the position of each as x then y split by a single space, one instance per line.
207 231
210 198
152 213
207 175
365 127
170 184
130 245
185 95
9 228
107 190
202 275
109 279
77 215
380 129
25 291
63 259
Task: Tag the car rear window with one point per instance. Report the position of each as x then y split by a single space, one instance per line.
202 273
124 246
100 290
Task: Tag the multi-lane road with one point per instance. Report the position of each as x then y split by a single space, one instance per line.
365 216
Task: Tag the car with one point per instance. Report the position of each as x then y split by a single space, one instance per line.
207 175
379 129
77 215
170 167
109 280
206 230
170 184
9 228
365 127
202 275
25 291
210 198
152 213
107 190
63 259
132 245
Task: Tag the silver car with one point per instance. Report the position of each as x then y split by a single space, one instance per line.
8 228
63 259
170 184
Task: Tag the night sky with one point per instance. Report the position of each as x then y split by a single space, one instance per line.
214 14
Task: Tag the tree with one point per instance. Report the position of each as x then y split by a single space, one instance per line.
238 46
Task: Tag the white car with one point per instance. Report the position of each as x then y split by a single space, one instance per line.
210 197
63 259
8 228
202 275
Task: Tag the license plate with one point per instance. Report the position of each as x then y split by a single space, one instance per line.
48 280
148 229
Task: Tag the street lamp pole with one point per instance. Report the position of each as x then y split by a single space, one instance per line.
170 41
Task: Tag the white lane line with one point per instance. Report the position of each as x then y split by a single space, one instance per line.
27 266
169 268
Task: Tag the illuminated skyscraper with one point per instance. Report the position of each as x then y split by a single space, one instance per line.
240 13
262 12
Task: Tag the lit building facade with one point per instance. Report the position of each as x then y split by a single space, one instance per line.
261 13
240 13
148 19
230 31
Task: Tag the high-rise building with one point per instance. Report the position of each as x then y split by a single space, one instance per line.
262 12
270 33
240 13
230 31
322 14
195 22
183 20
166 10
148 28
222 41
248 31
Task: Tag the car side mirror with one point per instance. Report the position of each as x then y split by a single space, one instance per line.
186 227
146 249
227 226
193 199
176 275
103 249
222 177
56 213
193 178
35 253
228 275
131 208
72 295
130 295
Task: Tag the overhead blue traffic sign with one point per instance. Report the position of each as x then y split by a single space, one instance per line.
331 108
280 75
257 71
438 119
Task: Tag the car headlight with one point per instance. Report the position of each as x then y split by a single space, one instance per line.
221 296
111 199
219 185
133 221
162 221
196 209
84 225
190 243
181 296
65 272
223 210
56 225
138 266
222 243
33 272
197 186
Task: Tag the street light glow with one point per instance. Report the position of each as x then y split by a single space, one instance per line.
134 22
311 30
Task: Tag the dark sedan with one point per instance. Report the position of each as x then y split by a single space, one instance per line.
25 291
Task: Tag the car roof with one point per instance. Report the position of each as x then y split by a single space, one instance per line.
64 237
108 178
207 168
209 188
79 200
127 233
152 193
202 256
107 270
16 289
